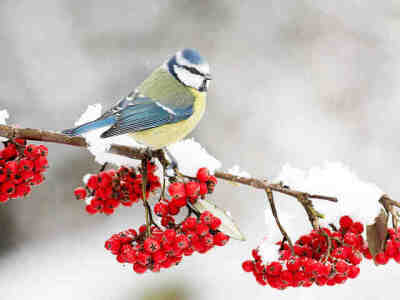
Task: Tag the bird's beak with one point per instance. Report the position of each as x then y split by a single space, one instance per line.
208 77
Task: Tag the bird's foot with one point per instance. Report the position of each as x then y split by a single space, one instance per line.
172 168
147 152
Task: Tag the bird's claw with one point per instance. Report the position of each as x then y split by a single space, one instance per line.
172 169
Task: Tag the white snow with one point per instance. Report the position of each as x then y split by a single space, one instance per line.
99 147
235 170
3 117
357 198
268 250
190 155
88 200
86 178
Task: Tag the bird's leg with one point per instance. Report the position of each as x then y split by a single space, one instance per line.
173 164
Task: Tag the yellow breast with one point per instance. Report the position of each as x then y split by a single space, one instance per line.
165 135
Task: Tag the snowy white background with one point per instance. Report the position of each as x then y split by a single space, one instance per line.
298 82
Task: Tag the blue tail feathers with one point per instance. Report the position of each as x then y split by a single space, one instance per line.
93 125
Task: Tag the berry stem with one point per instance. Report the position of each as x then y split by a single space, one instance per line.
329 241
103 167
270 197
313 215
145 204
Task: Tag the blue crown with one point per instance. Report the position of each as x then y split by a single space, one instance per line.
193 56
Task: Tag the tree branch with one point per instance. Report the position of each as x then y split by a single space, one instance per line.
140 154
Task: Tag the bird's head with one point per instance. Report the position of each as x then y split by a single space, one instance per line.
190 69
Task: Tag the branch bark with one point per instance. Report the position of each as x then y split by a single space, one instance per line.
140 154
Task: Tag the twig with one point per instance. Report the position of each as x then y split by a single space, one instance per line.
313 215
329 241
103 167
263 184
146 205
275 214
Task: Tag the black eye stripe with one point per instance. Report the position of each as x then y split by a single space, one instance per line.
192 70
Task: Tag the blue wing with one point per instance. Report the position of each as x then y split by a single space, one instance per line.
145 113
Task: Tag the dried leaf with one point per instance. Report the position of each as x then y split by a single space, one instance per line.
227 226
377 233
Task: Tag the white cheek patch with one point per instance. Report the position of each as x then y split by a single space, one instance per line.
188 78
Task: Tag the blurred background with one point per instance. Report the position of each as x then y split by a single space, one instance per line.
297 82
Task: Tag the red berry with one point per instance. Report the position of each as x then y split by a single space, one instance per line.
248 266
192 189
159 257
274 268
381 258
3 198
391 249
143 258
215 223
341 267
203 188
206 217
161 209
173 209
353 271
345 222
220 239
202 229
7 188
139 269
286 277
357 228
177 190
255 254
212 179
92 182
151 245
189 224
293 264
356 258
350 238
208 240
168 221
203 174
181 241
80 193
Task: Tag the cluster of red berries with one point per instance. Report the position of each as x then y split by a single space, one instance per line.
21 166
391 249
183 192
108 189
165 248
313 260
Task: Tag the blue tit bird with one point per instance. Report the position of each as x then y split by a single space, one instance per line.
164 108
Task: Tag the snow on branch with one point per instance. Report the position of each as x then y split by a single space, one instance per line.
140 154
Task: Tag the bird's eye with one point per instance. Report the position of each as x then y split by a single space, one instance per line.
193 70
